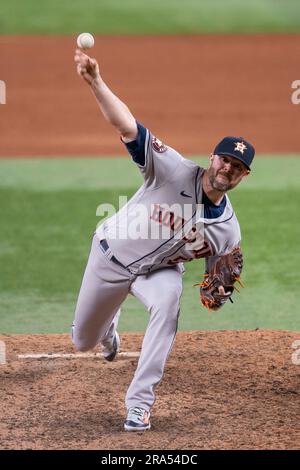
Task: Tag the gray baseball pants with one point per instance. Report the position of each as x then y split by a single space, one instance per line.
104 287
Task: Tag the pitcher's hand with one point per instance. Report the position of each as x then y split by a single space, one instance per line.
87 68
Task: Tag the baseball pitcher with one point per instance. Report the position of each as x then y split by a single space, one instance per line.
180 213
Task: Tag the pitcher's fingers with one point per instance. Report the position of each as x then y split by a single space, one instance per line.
91 64
221 290
79 52
83 59
80 69
77 58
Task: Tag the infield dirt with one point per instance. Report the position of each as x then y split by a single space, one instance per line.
190 91
221 390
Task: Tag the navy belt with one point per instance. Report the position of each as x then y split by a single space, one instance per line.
105 247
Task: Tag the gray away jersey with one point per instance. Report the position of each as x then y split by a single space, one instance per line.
164 223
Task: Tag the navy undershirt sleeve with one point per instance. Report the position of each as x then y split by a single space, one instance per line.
136 148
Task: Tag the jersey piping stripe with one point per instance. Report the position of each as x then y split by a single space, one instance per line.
172 254
221 222
151 253
148 145
196 183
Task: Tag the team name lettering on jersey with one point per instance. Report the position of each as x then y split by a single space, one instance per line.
167 218
194 241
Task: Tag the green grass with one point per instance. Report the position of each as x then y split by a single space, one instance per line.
149 16
48 215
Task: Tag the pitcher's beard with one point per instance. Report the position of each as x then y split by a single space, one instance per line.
218 185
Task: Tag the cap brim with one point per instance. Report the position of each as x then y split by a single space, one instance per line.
234 156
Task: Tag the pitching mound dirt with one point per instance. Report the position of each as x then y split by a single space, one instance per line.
221 390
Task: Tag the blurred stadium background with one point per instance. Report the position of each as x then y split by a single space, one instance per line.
48 205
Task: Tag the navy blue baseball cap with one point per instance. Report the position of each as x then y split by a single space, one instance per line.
236 147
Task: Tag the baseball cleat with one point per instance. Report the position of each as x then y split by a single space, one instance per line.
110 347
137 419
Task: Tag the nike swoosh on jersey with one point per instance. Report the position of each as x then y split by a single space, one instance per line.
185 195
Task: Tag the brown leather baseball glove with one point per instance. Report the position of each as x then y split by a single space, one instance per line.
218 284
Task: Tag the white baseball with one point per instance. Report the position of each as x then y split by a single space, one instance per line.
85 41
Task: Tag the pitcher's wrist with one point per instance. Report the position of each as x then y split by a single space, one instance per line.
96 83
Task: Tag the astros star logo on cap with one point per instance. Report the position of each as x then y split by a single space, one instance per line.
240 146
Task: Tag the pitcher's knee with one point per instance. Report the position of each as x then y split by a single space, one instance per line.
169 299
168 305
82 343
